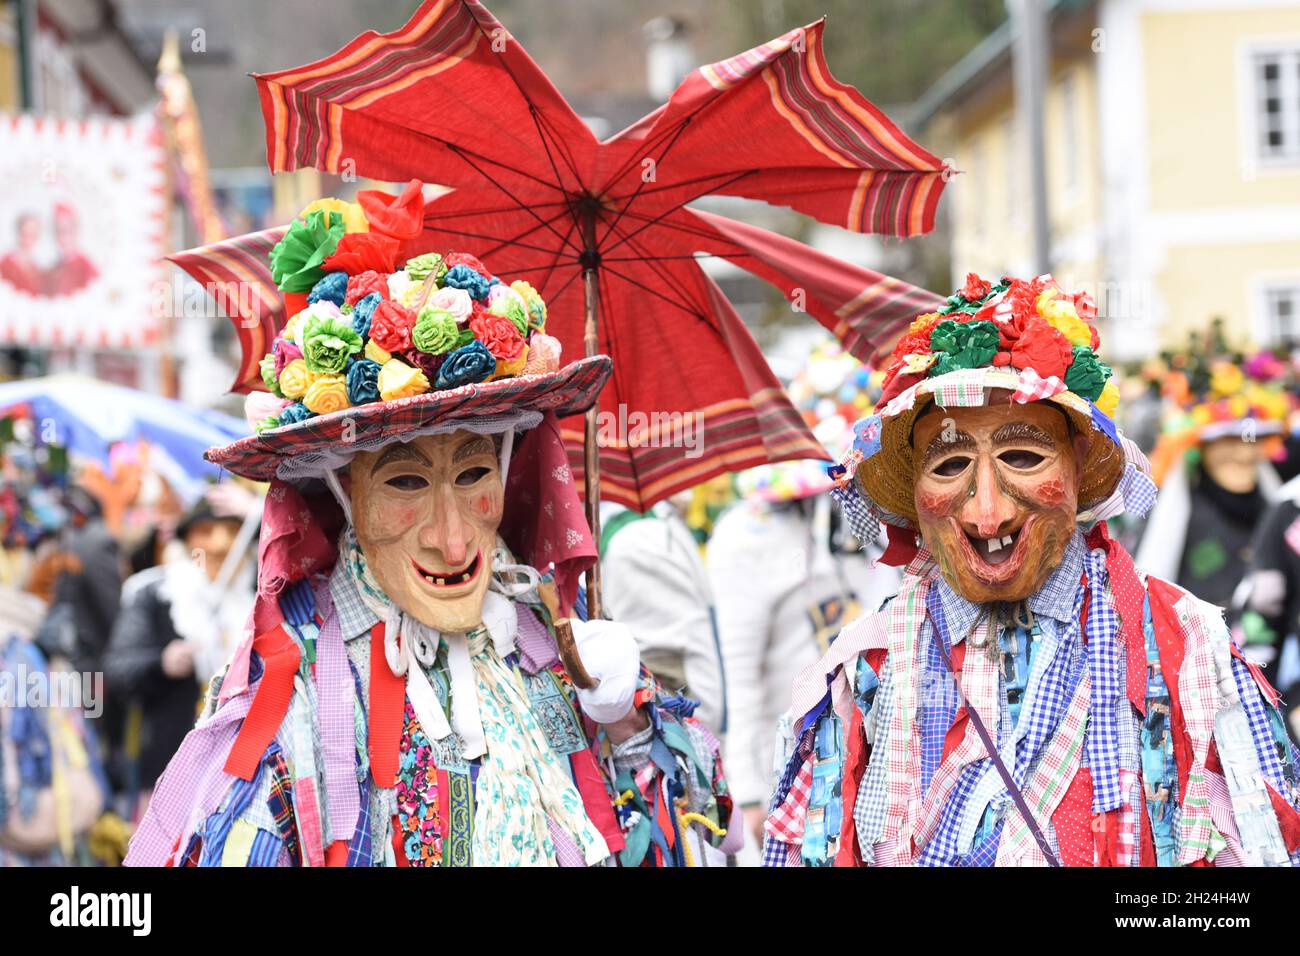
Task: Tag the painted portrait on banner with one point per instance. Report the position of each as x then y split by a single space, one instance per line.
82 223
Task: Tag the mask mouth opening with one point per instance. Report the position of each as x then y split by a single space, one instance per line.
450 579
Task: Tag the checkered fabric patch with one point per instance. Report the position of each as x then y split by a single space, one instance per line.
786 822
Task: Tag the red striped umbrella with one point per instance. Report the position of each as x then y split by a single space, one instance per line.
452 98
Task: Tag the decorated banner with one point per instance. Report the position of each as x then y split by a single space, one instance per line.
82 223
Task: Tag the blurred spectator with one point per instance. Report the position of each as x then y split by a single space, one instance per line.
178 624
655 582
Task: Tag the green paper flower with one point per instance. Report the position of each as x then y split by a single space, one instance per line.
963 345
328 343
435 331
420 267
464 338
271 421
266 368
1087 374
296 259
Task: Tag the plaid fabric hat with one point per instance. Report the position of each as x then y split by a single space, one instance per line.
375 351
1027 339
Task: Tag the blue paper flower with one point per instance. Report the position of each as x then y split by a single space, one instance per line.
362 312
332 288
472 363
295 413
363 382
463 277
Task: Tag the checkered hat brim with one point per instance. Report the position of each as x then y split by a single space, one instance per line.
571 390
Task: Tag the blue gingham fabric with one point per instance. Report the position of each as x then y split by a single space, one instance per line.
869 807
776 853
1261 726
1102 743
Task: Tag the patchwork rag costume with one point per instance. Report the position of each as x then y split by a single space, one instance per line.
401 699
1095 716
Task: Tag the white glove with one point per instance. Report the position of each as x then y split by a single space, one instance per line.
609 653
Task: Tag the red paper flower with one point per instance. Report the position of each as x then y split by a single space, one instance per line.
499 335
975 288
390 326
1085 306
401 217
916 340
1096 339
359 252
1042 348
896 382
453 259
360 286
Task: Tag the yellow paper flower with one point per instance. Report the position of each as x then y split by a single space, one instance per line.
1108 400
290 333
295 379
1060 313
917 362
376 354
1226 379
533 299
512 368
354 217
329 393
399 380
920 322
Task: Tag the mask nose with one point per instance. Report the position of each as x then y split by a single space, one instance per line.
988 510
446 532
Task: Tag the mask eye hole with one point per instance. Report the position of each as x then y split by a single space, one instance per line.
951 467
1020 458
472 476
407 482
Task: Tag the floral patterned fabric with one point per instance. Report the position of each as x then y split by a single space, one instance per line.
417 796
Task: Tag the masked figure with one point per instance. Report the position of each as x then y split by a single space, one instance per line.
1028 697
401 698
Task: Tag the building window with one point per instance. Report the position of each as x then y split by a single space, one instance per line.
1282 314
1276 75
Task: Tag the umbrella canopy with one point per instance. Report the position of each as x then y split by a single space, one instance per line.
453 98
88 417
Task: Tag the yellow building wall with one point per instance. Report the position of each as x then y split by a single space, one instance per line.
991 225
1197 151
1199 283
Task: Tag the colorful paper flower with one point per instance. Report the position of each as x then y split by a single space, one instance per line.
364 284
1060 314
363 312
917 337
1087 375
270 374
390 326
284 352
328 343
435 331
401 217
1108 400
258 406
499 335
425 362
453 259
964 344
505 301
376 354
296 259
354 218
421 267
295 413
463 277
1043 349
363 382
296 379
543 355
329 393
365 252
536 304
472 363
404 290
513 367
455 301
399 380
975 288
331 288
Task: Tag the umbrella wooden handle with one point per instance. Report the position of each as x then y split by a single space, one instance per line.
569 654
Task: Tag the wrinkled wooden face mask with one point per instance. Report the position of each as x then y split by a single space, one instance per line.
426 514
997 495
